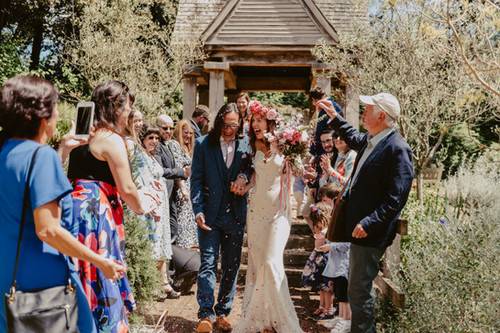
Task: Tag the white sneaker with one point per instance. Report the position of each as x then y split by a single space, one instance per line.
329 323
342 326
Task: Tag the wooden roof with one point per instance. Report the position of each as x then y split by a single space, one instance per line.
269 22
224 21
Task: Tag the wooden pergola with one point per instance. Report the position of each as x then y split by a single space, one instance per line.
261 45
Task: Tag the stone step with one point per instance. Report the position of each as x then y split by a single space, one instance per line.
294 276
293 258
294 242
300 227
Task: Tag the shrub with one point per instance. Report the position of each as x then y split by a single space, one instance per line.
141 267
451 262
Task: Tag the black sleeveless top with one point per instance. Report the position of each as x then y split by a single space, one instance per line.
83 165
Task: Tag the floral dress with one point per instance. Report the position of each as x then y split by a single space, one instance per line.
312 274
98 212
147 175
187 230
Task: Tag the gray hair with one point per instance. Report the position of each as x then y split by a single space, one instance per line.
164 119
389 121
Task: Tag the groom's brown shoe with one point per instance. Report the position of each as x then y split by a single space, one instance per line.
223 324
204 326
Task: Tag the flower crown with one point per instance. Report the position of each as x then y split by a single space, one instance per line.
257 109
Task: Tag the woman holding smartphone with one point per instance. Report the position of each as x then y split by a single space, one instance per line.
28 117
101 177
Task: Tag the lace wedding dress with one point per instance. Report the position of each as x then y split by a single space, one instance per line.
267 302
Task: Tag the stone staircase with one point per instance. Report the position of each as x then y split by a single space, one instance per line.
298 248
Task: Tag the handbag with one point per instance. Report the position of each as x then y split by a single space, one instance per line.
48 310
336 228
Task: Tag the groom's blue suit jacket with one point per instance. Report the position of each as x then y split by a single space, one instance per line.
211 179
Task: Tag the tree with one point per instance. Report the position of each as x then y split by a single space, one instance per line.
130 40
402 53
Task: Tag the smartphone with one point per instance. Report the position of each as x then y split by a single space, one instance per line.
84 119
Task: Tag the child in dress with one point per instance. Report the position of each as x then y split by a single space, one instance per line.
336 271
312 274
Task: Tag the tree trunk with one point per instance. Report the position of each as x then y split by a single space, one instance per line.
420 187
36 48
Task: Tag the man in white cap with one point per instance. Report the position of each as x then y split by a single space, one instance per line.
373 199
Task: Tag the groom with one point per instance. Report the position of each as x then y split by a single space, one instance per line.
220 214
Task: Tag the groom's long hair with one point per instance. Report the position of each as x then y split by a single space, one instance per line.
215 132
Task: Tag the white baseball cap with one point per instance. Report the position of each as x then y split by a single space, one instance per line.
167 120
387 102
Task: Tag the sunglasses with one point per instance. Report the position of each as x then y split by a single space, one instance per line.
232 126
153 137
167 128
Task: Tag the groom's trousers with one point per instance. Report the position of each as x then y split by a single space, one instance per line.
228 239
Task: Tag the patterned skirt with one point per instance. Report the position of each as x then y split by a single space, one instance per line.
312 275
99 213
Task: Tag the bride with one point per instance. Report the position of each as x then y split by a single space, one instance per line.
267 306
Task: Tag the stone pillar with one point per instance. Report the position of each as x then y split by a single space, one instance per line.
188 96
216 92
352 105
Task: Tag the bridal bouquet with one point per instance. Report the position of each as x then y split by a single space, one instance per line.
292 141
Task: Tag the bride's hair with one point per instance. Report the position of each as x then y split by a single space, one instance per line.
271 126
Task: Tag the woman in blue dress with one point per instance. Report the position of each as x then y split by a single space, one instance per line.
28 116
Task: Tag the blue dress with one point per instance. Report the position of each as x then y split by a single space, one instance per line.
40 266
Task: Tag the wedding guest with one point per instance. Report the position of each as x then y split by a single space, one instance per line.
341 170
317 94
28 117
315 264
187 234
200 119
147 174
377 193
101 177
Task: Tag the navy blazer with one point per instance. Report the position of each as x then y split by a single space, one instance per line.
382 186
211 179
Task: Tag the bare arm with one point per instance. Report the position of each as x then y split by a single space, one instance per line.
49 230
111 148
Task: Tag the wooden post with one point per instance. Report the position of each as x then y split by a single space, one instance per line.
325 83
203 95
216 92
352 106
188 96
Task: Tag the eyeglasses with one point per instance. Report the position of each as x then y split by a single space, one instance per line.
167 128
232 126
153 137
327 141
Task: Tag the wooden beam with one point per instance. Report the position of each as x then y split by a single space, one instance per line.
273 84
402 228
216 65
230 80
216 23
388 289
216 93
188 96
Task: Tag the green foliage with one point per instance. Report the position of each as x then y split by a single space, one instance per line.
296 100
461 143
451 259
141 267
10 62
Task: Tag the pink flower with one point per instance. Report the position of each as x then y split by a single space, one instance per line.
272 114
297 136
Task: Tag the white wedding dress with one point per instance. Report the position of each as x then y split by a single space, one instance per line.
267 302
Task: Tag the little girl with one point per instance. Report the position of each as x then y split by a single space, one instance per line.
312 274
